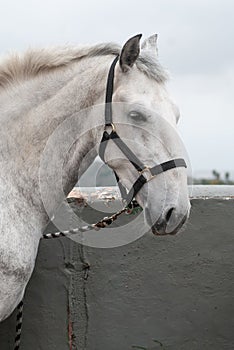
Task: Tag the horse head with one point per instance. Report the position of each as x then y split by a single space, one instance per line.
144 116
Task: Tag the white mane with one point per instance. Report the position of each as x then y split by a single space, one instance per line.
19 67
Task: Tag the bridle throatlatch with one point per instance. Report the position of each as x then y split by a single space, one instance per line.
133 159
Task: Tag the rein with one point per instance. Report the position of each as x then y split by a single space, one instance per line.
131 206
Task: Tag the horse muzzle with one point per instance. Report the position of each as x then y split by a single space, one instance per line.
168 224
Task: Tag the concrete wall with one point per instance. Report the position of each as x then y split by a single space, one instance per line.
171 293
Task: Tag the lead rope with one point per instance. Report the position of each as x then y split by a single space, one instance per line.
132 208
19 319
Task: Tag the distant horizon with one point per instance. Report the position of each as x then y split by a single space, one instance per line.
207 174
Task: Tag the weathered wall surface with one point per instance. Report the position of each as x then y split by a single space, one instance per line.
172 293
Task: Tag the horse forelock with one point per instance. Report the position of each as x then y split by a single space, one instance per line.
18 67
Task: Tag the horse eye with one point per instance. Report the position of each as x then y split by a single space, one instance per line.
137 116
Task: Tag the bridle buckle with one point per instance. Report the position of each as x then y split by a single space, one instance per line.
147 173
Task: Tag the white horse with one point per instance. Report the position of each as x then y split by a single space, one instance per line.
40 92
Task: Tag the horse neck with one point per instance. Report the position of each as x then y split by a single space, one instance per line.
47 102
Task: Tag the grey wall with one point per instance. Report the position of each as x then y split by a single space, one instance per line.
172 293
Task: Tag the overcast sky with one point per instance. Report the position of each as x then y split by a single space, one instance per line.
196 44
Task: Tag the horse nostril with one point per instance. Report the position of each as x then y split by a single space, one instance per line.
169 213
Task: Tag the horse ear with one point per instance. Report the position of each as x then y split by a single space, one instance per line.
130 53
150 44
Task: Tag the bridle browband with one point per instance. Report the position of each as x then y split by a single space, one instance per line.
133 159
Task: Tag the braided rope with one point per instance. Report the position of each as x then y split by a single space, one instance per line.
106 221
132 208
19 319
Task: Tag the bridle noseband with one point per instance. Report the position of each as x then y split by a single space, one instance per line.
133 159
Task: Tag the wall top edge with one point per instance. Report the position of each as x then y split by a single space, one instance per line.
195 191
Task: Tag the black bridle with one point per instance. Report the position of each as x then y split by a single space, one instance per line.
133 159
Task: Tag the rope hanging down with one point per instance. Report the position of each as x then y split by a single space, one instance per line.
19 319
